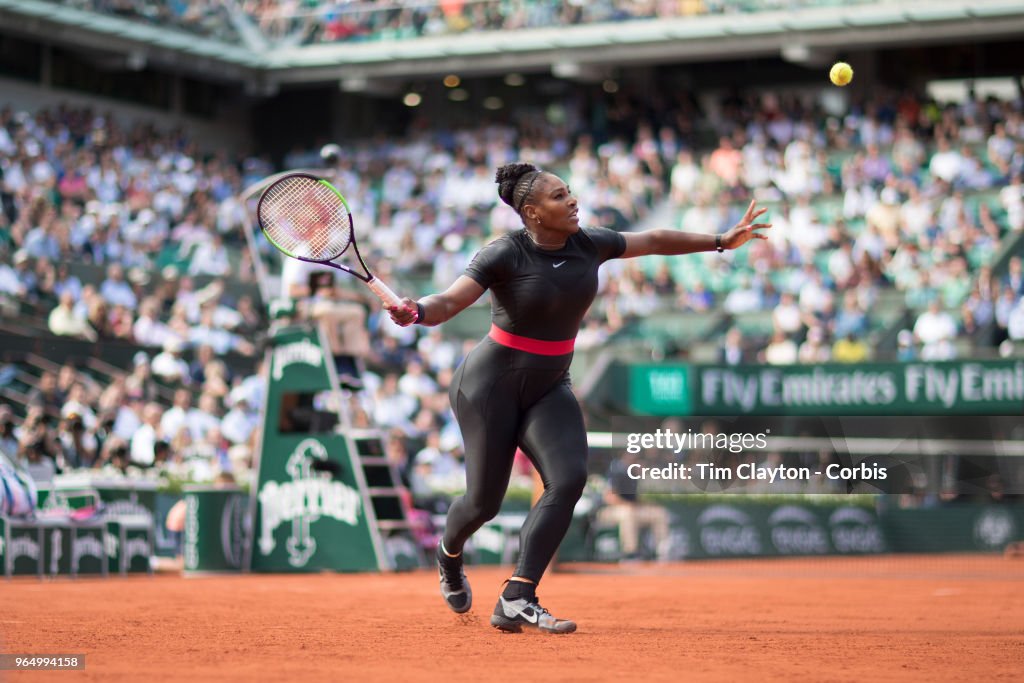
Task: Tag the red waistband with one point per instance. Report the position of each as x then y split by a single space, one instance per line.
538 346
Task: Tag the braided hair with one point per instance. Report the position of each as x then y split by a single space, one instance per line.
515 183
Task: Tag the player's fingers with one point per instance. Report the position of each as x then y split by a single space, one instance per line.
748 214
760 226
397 313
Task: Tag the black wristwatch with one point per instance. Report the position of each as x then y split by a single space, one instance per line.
718 244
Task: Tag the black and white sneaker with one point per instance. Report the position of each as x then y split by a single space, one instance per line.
512 615
454 587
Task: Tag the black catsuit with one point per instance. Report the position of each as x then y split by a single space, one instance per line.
504 397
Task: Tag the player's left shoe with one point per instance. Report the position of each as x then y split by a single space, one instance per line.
512 615
454 586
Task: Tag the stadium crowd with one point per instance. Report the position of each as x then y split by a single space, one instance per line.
331 21
881 199
209 18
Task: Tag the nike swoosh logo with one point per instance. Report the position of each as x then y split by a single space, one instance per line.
531 617
559 264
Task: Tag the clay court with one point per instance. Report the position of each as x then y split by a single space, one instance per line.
879 619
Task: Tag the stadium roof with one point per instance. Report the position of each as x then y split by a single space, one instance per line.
821 29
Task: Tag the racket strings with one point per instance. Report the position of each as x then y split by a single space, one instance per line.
306 219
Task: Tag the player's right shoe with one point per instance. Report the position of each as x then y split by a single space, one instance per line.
512 615
454 586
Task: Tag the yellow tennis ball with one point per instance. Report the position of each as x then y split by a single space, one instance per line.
841 73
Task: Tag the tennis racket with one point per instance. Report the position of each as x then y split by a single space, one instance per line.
307 218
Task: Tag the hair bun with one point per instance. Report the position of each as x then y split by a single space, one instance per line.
513 172
508 175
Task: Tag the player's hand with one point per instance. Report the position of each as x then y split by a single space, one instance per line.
744 231
405 314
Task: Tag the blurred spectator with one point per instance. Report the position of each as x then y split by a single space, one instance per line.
734 351
148 330
115 290
8 439
77 444
744 298
37 447
415 382
850 349
175 418
344 316
781 350
210 257
936 330
786 315
906 351
114 452
240 422
814 349
168 364
78 404
1014 279
204 418
139 381
436 470
393 408
65 320
945 164
204 357
1015 322
46 395
1012 199
851 318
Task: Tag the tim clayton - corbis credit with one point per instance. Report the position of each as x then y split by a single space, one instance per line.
748 471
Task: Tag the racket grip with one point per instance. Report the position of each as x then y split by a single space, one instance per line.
384 292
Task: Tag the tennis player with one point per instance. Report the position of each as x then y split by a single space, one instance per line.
513 388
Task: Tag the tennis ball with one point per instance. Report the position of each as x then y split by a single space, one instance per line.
841 73
330 152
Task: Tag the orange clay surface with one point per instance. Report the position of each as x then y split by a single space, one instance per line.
865 619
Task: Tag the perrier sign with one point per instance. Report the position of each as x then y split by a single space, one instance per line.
308 517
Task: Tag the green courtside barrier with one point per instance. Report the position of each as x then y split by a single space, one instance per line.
216 529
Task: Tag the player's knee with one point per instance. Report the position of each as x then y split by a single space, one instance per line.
483 509
570 488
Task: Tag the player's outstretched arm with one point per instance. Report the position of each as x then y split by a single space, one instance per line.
437 308
674 242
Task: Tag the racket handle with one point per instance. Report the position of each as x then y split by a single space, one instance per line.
384 292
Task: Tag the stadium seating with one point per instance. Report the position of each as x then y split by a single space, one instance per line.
672 325
325 21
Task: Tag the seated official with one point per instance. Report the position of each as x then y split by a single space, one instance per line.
623 508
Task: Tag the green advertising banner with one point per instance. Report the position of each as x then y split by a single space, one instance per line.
748 529
129 542
311 508
71 549
660 389
951 387
706 530
993 387
22 548
216 529
955 527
